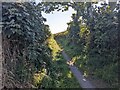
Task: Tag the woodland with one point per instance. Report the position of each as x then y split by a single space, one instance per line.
33 55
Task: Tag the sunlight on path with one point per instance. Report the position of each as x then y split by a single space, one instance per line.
81 79
53 45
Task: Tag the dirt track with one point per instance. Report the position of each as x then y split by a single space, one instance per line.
84 83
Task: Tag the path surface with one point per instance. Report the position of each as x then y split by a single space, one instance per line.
81 79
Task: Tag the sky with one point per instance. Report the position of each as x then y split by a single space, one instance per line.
58 20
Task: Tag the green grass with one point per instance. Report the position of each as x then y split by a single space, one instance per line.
80 57
53 45
63 76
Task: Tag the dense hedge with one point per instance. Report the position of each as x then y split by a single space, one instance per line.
93 34
93 31
24 43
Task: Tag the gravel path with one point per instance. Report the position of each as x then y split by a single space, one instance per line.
81 79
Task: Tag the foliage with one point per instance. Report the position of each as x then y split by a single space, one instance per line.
91 39
95 42
62 77
25 35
